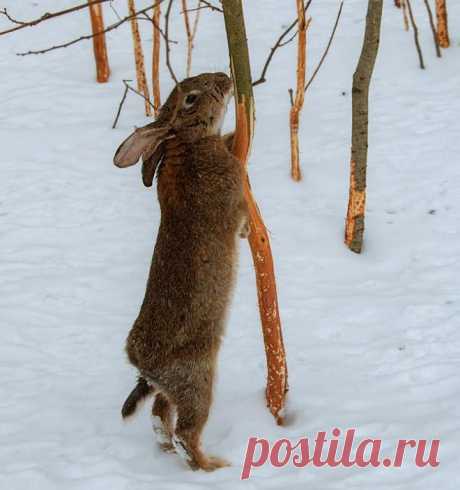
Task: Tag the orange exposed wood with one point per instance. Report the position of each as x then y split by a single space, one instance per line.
443 31
354 226
156 59
99 45
139 58
259 243
296 173
190 31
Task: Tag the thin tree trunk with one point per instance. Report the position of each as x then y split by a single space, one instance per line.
190 31
258 238
433 29
99 46
404 11
443 31
415 28
156 59
139 59
354 228
296 173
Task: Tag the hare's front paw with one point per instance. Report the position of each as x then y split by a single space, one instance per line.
244 229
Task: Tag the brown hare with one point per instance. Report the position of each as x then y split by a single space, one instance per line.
176 337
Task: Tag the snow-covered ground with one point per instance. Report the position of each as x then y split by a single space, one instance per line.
373 340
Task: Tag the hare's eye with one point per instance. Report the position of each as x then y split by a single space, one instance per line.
190 99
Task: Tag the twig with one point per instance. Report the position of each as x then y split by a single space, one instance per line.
211 6
277 45
168 48
433 29
414 26
90 36
125 93
46 16
140 94
290 39
146 16
331 38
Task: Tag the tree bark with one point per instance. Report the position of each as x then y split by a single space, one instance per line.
296 172
156 59
139 59
354 228
443 31
258 238
99 45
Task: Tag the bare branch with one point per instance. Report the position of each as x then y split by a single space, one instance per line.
46 16
90 36
208 5
331 38
137 92
146 16
278 44
125 93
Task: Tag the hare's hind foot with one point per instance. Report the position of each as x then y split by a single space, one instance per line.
162 423
195 458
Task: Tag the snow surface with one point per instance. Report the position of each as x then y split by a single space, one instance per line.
372 340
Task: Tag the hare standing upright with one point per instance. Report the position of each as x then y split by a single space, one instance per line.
176 337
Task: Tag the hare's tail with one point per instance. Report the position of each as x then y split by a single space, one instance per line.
140 391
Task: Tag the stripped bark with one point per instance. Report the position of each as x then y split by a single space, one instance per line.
443 31
354 228
99 46
156 59
433 29
297 105
258 238
190 31
415 28
139 58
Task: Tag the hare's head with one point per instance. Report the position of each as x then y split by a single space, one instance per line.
195 109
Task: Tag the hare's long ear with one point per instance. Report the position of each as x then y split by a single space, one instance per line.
149 165
144 141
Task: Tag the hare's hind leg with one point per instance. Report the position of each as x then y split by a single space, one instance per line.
193 405
162 422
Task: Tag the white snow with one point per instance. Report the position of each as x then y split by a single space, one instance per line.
372 340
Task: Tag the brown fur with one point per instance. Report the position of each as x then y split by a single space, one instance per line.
175 340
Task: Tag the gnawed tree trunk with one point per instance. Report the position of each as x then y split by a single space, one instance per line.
99 45
443 31
258 238
354 228
156 59
297 104
190 30
139 59
433 29
404 11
